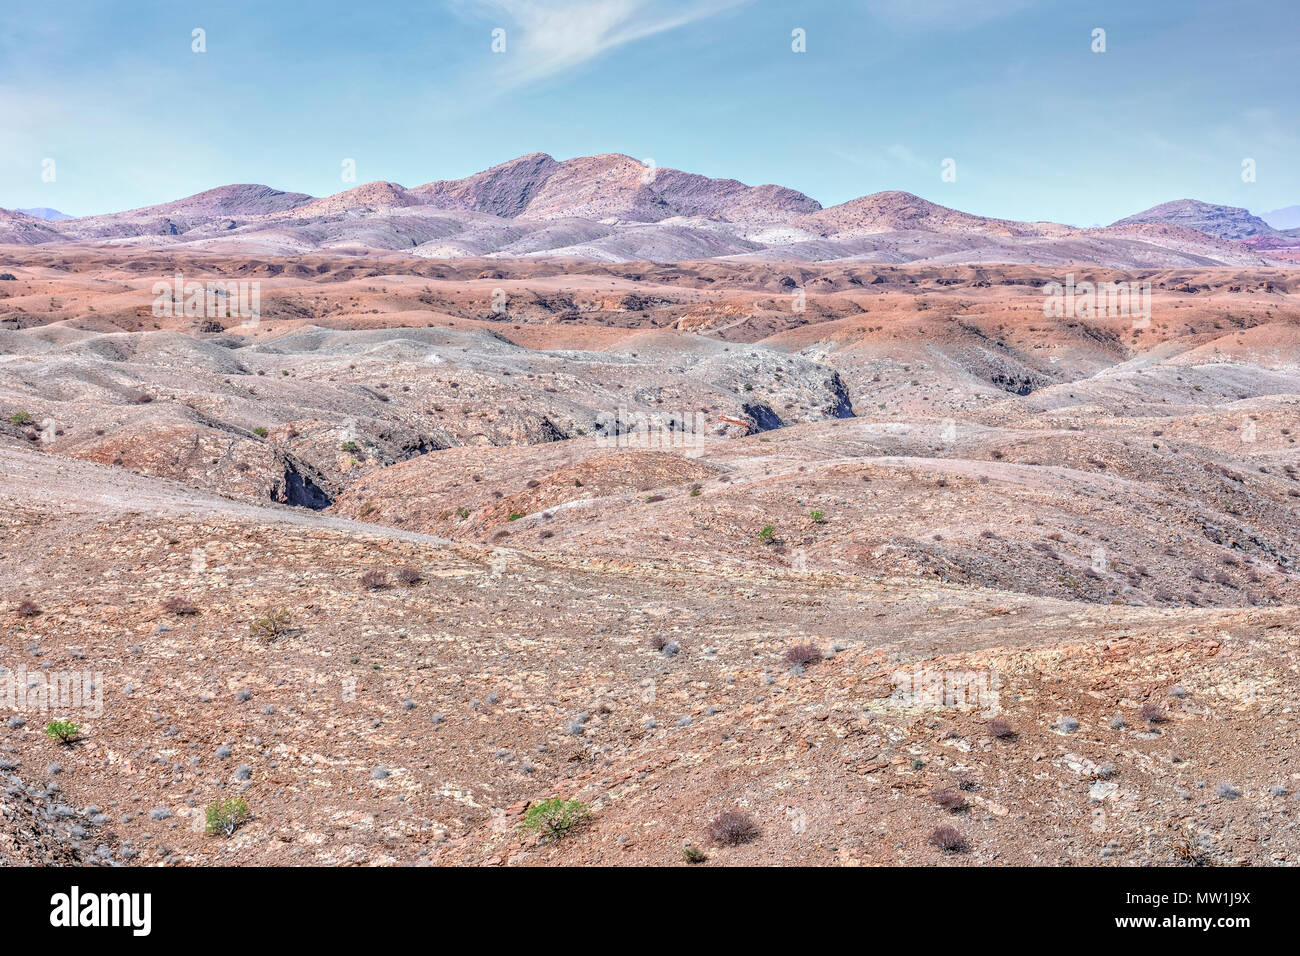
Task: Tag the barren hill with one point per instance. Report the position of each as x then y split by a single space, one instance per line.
1223 222
18 228
896 211
44 212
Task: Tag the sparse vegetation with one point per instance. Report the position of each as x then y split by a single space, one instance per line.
273 622
693 854
180 607
408 576
556 818
226 816
1002 729
28 609
1188 851
1153 713
732 828
817 517
375 580
768 534
801 654
948 839
62 731
260 432
949 799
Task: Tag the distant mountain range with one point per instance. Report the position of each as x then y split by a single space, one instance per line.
1226 222
44 212
1285 218
614 208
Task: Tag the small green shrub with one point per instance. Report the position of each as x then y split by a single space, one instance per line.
556 818
20 418
352 448
693 854
271 623
818 517
225 816
515 516
260 432
63 731
768 534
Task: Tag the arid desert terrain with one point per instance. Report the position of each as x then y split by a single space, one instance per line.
856 546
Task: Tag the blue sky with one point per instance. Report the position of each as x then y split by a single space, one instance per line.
1040 127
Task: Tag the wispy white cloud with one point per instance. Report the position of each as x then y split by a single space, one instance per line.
885 160
904 156
545 38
